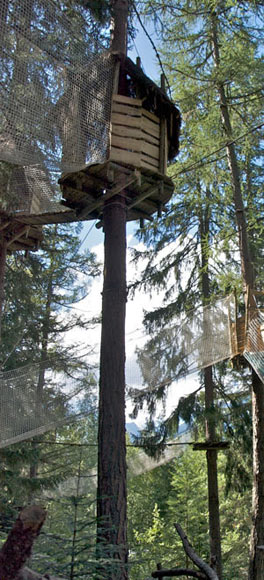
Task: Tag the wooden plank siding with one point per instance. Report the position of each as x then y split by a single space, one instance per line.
135 135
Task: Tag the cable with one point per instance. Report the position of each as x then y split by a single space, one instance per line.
72 444
200 162
85 238
153 46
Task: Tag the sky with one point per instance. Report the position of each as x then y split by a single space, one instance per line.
142 301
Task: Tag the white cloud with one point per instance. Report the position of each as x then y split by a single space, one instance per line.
135 335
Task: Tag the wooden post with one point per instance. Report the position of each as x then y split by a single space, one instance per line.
111 490
163 136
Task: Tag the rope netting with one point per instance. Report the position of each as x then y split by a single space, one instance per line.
254 347
35 398
204 337
55 98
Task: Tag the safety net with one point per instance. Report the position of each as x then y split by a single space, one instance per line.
37 398
55 99
254 346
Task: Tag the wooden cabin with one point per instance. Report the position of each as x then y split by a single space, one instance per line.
143 138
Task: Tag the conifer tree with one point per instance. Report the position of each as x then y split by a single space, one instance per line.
189 48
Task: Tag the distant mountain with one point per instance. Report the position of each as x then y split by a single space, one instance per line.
132 429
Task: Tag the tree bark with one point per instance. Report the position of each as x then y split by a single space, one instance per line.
111 490
111 495
212 477
210 430
256 567
17 548
119 26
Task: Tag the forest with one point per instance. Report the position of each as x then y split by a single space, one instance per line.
114 501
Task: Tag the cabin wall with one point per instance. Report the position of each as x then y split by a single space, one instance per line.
135 138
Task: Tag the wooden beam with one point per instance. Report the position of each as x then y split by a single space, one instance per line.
17 235
142 196
4 225
110 193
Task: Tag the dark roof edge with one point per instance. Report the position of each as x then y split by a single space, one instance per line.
138 73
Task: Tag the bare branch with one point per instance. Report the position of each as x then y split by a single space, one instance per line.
205 568
178 572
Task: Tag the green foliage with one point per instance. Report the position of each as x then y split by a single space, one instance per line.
177 492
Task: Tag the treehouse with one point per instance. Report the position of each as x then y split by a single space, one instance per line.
142 137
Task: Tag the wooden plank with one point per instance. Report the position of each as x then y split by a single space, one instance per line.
126 121
150 150
127 157
126 110
150 160
150 116
127 144
163 146
145 164
17 235
150 139
150 127
127 100
135 133
121 131
143 196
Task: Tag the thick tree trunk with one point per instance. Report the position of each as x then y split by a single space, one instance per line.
111 491
111 495
256 556
17 548
212 477
256 568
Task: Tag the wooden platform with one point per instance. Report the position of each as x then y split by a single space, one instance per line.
19 236
146 191
207 445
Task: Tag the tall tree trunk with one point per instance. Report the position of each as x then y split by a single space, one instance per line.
212 477
210 430
111 495
33 471
111 491
256 568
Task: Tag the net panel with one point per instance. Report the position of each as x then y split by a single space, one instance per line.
55 100
254 348
203 338
29 408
